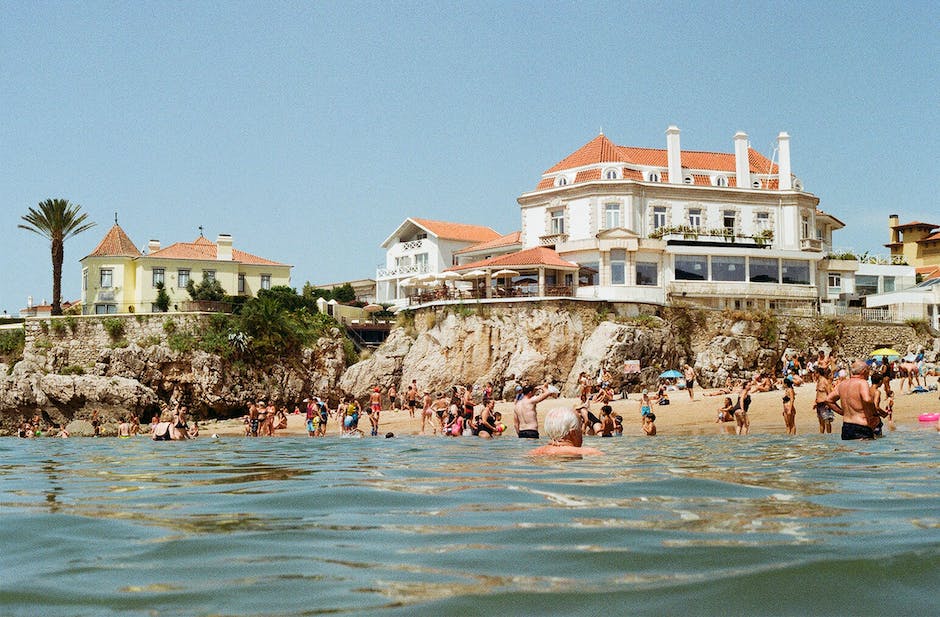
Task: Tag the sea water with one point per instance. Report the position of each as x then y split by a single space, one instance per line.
712 525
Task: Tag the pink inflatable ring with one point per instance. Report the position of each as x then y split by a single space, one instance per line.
929 417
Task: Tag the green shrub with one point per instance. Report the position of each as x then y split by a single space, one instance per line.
163 299
119 343
58 327
684 320
169 325
149 341
44 326
920 326
644 320
72 369
12 343
181 341
71 322
114 326
831 330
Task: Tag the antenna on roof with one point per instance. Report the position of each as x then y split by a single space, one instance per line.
200 231
602 130
115 218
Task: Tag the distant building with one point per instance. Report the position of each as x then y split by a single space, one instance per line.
44 309
916 244
363 288
423 247
118 278
919 302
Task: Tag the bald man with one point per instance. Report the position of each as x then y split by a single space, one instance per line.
857 408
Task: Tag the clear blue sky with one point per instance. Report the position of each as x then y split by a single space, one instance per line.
310 130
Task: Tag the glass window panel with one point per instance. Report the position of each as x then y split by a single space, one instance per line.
764 270
157 276
691 267
182 278
618 267
728 269
888 283
795 272
106 278
611 216
866 284
659 217
588 274
647 273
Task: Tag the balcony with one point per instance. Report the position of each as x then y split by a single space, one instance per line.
721 236
811 244
401 271
553 239
411 245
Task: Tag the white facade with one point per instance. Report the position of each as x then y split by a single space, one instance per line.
650 238
422 247
919 302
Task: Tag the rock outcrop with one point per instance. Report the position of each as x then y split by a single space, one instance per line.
138 378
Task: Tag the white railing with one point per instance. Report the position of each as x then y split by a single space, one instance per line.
866 314
551 239
390 273
865 258
411 245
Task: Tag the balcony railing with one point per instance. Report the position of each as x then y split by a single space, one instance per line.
553 239
390 273
410 245
811 244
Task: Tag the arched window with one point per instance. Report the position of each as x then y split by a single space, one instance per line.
652 176
561 181
611 174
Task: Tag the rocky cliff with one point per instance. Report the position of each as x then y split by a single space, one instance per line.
508 344
67 373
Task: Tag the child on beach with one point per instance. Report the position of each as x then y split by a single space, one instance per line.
726 412
649 426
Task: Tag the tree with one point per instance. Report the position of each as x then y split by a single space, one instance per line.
58 220
209 289
344 293
163 298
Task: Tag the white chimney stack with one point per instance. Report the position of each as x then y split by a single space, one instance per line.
783 162
29 302
742 165
153 246
223 250
673 155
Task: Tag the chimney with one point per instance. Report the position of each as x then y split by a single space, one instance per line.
742 166
223 251
153 246
29 302
783 162
893 222
673 155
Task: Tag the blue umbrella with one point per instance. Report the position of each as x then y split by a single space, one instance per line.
670 374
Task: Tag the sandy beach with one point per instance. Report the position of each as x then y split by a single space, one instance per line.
681 417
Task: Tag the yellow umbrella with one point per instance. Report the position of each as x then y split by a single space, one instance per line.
884 351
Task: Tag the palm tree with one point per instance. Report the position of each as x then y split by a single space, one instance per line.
58 220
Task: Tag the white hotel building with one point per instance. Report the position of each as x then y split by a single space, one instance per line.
660 226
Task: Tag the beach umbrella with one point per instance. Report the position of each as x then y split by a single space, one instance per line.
499 273
448 276
884 351
407 282
474 274
670 374
373 308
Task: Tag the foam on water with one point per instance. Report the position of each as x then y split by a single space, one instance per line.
697 525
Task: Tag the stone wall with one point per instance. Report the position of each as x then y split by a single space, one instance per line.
54 343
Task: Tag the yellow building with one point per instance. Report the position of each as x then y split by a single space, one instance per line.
918 244
118 278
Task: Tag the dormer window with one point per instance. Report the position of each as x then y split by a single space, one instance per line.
652 176
561 181
611 174
720 180
689 179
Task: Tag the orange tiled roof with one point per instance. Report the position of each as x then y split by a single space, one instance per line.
588 174
915 224
507 240
602 150
536 256
928 272
203 249
115 244
458 231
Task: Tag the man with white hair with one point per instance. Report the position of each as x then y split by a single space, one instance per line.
563 427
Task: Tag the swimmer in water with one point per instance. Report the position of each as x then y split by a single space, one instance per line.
563 427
